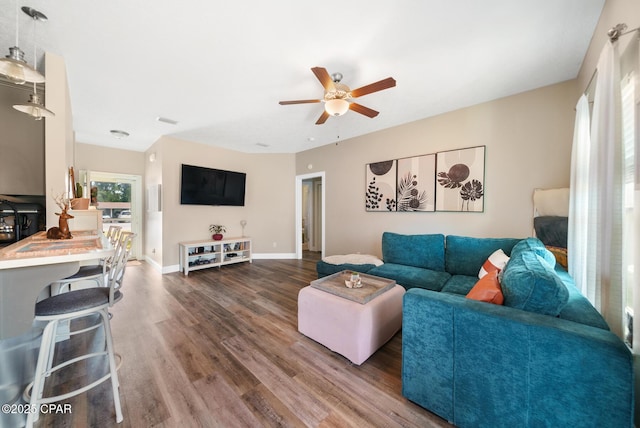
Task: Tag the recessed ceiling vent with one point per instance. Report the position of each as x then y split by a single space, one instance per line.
166 120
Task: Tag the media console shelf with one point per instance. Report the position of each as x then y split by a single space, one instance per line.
196 255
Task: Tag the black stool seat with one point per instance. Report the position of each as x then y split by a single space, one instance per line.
88 271
75 301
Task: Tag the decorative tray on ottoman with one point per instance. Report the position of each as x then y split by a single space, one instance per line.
372 286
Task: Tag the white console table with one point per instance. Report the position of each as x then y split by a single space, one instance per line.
203 254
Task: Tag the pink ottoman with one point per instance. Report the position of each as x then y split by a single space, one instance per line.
351 329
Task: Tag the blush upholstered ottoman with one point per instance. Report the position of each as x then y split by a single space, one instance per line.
351 328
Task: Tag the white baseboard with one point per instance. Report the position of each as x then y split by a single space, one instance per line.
160 268
273 256
170 269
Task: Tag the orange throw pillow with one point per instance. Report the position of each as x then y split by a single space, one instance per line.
487 289
496 261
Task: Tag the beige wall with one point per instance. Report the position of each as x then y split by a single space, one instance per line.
153 236
528 142
59 136
106 159
21 144
269 200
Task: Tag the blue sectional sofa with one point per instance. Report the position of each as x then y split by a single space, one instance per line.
545 358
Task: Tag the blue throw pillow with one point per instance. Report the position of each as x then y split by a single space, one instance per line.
423 251
531 284
537 247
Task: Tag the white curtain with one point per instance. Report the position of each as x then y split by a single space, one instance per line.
599 272
579 196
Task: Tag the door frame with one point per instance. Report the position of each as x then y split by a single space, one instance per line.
298 216
136 202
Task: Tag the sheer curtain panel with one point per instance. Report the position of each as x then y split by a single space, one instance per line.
598 245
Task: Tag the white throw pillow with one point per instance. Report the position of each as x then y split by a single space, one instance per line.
496 261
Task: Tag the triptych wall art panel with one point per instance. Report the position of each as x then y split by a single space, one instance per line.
415 184
381 186
444 181
460 180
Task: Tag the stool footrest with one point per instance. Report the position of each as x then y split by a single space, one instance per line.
27 391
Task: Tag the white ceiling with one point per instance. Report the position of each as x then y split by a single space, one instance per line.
220 68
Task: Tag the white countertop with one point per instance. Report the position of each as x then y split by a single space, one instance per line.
37 250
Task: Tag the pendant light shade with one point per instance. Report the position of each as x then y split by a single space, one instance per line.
16 68
34 107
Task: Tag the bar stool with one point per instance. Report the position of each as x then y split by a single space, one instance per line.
75 305
113 233
96 273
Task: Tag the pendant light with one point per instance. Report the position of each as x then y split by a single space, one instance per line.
14 65
34 107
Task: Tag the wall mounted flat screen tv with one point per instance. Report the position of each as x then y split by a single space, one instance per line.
208 186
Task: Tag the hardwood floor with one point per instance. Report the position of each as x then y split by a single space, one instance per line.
220 348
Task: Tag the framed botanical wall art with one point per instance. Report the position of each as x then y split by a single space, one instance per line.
460 180
416 183
381 186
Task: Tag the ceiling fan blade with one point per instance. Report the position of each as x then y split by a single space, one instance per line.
285 103
358 108
323 76
323 117
387 83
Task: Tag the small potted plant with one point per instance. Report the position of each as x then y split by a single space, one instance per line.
217 230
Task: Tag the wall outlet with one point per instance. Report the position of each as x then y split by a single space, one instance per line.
153 251
275 244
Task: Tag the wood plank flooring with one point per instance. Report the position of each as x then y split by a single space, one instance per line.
220 348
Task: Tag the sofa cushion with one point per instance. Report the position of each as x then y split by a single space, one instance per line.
487 289
537 247
409 276
578 308
325 269
495 263
465 255
531 284
459 284
421 251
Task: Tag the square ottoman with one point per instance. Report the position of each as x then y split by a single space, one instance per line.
349 328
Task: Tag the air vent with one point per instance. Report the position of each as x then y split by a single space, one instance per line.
166 120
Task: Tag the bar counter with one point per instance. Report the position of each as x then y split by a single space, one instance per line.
30 265
27 267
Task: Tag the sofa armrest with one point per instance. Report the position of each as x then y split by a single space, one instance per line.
478 364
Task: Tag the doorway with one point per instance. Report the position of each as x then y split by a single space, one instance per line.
119 198
310 214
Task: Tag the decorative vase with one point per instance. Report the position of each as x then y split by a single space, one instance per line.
80 203
217 236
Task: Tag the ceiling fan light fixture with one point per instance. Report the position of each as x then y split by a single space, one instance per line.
34 108
336 107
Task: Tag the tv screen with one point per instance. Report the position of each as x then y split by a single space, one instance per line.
207 186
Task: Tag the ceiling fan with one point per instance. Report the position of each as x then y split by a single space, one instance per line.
338 96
